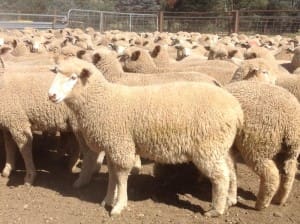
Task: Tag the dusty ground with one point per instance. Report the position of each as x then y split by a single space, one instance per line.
53 200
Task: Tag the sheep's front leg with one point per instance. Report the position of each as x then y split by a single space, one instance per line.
121 203
10 151
111 194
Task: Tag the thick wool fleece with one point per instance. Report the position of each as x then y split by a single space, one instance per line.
111 68
171 123
25 108
141 62
270 138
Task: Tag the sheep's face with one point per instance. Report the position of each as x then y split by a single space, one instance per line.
261 75
62 85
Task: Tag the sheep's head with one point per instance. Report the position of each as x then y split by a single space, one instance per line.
255 71
70 73
182 52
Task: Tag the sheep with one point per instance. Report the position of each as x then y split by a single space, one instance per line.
106 61
141 62
260 69
188 124
23 112
269 141
296 59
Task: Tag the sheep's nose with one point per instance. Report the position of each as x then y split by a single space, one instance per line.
52 97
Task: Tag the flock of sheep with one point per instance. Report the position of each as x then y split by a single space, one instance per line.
169 97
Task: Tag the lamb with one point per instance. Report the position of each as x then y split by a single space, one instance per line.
191 126
141 62
270 138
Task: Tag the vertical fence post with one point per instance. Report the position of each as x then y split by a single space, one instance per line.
161 21
101 22
54 20
130 22
236 17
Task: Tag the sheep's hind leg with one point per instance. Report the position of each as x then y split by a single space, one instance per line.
232 193
269 182
24 143
10 151
286 181
89 163
218 173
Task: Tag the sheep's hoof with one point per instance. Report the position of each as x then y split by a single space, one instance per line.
117 209
260 205
212 213
29 179
75 169
278 199
80 182
231 202
6 171
135 170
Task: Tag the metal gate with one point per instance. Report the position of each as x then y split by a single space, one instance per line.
37 21
102 20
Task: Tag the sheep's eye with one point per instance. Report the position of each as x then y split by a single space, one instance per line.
73 77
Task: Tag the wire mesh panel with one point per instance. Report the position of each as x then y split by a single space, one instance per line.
38 21
102 20
208 22
269 22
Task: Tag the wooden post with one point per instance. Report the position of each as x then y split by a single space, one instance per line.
236 21
161 21
54 20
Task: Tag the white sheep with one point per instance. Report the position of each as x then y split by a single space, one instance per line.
170 123
269 141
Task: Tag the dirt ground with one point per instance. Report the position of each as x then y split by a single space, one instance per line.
53 200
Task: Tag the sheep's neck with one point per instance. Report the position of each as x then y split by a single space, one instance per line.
111 70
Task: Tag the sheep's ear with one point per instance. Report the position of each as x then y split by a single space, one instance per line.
80 53
5 50
155 51
145 43
54 69
96 58
135 55
85 73
14 43
232 53
207 48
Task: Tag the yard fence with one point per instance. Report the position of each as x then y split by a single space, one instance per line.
250 22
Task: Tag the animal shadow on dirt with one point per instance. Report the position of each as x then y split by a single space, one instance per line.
176 191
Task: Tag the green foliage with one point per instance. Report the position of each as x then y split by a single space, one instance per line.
55 6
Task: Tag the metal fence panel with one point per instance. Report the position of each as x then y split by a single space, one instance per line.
102 20
38 21
208 22
269 22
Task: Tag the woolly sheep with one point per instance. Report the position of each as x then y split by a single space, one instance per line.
106 61
270 138
260 69
189 123
24 109
141 62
